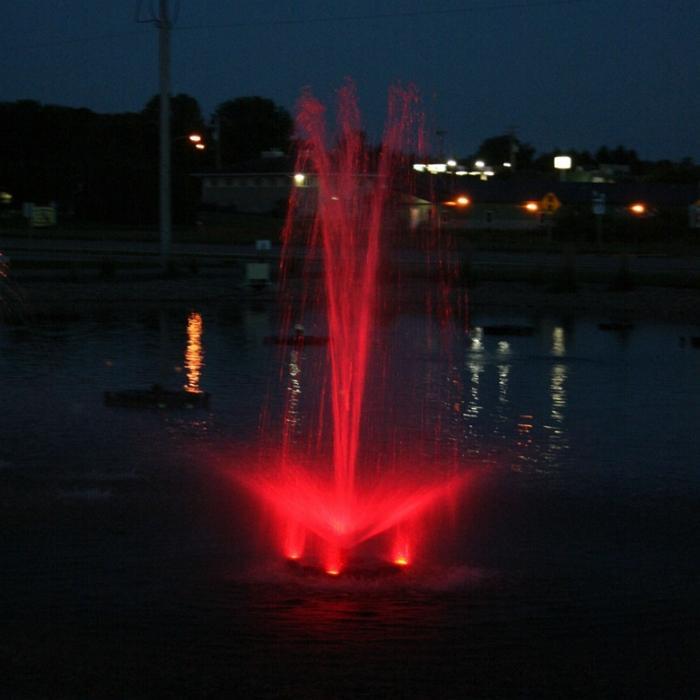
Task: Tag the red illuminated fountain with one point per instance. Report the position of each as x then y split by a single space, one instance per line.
346 483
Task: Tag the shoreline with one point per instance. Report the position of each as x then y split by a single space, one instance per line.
671 304
666 304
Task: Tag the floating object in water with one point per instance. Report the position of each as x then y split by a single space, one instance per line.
299 338
156 397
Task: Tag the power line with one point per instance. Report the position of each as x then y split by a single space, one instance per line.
517 4
74 40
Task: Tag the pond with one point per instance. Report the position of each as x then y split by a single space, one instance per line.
131 564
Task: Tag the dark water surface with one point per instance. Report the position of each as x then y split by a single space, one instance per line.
129 565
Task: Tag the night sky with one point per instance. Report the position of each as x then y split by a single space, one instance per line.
576 73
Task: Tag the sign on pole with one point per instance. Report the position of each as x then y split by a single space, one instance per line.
550 203
42 217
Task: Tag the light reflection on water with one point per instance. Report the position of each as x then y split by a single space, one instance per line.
194 354
536 400
543 401
587 512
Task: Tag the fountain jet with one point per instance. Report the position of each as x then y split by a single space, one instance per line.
329 488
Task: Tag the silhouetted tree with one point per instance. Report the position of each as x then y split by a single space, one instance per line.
185 116
97 167
44 150
185 119
667 171
505 148
250 125
619 156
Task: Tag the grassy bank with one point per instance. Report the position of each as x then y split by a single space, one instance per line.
240 229
633 237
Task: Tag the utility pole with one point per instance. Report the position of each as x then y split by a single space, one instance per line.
216 123
165 210
164 21
512 147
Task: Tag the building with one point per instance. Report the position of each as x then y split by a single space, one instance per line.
260 186
525 203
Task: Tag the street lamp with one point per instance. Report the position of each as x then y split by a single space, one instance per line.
461 201
195 139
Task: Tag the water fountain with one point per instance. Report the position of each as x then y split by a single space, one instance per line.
350 483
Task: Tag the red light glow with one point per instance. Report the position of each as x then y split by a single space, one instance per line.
328 490
309 511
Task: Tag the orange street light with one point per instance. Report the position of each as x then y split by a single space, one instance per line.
532 207
462 201
194 139
638 208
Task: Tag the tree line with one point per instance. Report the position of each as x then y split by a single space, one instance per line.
507 148
103 168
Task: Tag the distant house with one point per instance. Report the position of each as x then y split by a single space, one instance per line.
260 186
603 172
264 186
522 204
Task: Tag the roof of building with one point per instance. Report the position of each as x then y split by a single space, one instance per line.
522 190
277 164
